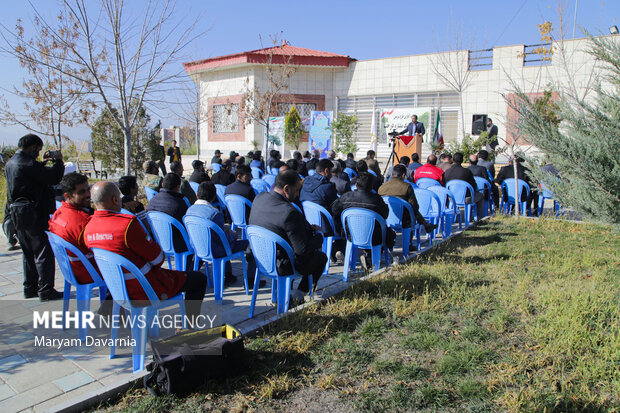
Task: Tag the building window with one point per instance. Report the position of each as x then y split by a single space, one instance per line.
226 118
303 109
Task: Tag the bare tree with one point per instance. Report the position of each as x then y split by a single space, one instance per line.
53 97
451 64
126 59
260 102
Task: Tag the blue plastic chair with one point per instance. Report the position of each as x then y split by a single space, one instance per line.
350 172
221 196
426 182
194 185
372 172
508 196
297 207
546 193
150 193
430 208
359 224
395 221
311 172
459 189
411 183
270 179
83 291
259 185
274 171
257 173
216 167
58 204
237 205
111 266
315 214
161 225
265 245
201 232
484 187
449 209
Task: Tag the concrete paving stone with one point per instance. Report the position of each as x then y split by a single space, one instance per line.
102 365
19 338
73 381
6 391
55 401
30 398
10 362
47 369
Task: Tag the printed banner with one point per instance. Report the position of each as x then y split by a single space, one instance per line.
320 134
276 135
398 119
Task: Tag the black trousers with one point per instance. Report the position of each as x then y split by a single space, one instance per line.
162 166
38 259
194 289
312 265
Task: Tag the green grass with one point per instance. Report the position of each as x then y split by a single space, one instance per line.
511 316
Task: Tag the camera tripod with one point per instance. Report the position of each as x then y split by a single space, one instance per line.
393 136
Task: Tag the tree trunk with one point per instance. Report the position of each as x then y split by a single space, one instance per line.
127 148
517 194
197 134
266 142
462 114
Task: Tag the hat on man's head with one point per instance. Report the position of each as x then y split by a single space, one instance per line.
218 152
233 155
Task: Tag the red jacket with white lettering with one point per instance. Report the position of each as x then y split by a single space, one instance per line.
429 171
123 235
68 222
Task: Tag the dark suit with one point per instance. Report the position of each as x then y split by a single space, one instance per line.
274 212
199 176
492 139
241 188
480 171
457 171
171 203
412 129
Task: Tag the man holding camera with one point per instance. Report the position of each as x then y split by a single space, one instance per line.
31 201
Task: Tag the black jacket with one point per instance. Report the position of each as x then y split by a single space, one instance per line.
199 176
318 189
360 199
223 178
342 182
274 212
508 172
240 188
30 179
480 171
457 171
350 163
311 164
171 203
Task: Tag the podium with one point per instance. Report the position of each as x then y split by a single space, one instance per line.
405 145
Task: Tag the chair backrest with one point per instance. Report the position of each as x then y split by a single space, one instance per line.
237 205
257 173
264 245
189 204
161 225
200 231
273 171
482 183
508 189
60 248
359 224
315 214
428 202
270 179
259 186
426 182
150 192
194 185
111 266
221 194
350 172
446 198
411 183
372 172
216 167
459 189
397 208
546 191
311 172
58 204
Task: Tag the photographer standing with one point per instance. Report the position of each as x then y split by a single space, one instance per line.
31 200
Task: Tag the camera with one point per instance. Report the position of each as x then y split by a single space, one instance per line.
53 155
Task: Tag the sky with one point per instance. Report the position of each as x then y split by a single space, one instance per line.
361 29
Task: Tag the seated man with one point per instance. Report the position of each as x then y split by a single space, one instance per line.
340 179
456 171
362 166
523 173
445 161
298 164
429 170
204 208
274 211
415 164
483 160
199 175
242 185
363 197
350 162
69 221
186 188
151 175
123 235
217 157
311 164
128 186
257 162
397 187
170 201
224 176
477 170
318 188
276 160
404 160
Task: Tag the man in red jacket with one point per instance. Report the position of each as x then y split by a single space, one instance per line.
122 234
429 170
71 218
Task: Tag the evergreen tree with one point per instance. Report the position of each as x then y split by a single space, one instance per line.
344 128
581 138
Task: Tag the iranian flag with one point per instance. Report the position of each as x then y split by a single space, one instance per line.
438 137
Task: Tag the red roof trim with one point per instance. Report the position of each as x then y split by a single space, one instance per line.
280 55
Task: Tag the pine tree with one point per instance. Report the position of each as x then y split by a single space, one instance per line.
581 138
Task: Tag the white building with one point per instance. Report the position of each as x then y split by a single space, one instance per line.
327 81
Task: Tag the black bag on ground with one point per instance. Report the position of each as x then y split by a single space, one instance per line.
184 361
